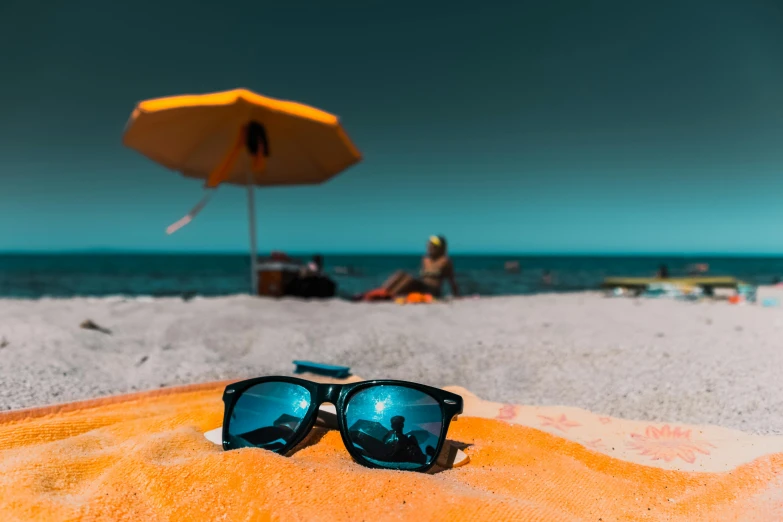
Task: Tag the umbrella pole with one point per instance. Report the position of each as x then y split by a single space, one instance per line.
251 210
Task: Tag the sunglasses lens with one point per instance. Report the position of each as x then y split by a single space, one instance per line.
268 415
394 426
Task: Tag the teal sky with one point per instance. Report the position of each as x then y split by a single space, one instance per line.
507 126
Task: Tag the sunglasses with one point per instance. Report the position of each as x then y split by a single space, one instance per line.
384 423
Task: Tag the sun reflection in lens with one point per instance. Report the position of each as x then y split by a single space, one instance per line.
380 406
303 404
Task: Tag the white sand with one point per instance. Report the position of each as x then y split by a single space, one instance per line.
640 359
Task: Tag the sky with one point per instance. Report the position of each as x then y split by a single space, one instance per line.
525 127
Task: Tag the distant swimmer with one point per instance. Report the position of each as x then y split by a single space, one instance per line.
698 268
546 278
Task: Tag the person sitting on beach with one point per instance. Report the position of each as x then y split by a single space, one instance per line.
314 267
436 267
312 282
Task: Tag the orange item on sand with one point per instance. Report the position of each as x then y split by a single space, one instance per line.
416 298
378 294
145 457
735 299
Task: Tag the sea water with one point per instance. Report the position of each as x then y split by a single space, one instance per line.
67 275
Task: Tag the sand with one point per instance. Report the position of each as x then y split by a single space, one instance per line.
658 360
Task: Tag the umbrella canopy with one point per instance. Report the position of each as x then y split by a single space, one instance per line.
198 135
242 138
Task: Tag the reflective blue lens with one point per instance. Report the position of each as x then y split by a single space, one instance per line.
268 415
394 426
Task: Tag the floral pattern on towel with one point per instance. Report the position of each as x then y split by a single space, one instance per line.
596 444
507 412
561 423
668 444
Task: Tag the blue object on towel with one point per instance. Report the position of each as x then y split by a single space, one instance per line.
770 302
338 372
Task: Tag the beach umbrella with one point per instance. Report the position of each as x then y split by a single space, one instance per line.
239 137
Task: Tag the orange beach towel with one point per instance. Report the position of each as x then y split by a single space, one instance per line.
144 457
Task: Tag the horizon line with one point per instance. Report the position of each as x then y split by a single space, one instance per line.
296 253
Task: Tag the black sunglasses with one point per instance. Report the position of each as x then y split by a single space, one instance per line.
384 424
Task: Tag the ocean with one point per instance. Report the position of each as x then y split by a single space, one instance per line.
67 275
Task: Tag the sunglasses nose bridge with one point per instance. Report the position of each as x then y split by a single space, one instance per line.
329 393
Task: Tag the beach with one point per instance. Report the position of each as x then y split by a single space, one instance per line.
645 359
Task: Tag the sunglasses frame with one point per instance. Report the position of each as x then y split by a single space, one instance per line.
339 395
